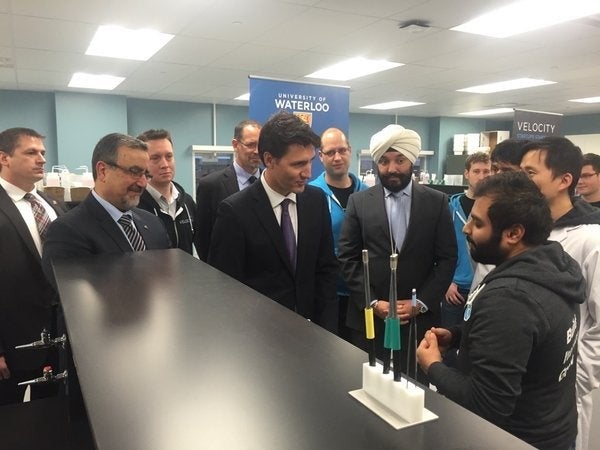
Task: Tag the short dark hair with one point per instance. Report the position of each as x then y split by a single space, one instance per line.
282 130
154 135
508 151
239 128
478 157
9 138
562 156
517 200
107 148
591 159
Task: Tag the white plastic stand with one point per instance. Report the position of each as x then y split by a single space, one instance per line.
401 404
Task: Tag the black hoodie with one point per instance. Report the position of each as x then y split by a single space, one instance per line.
181 230
518 348
582 214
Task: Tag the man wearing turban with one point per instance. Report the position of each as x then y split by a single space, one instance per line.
398 215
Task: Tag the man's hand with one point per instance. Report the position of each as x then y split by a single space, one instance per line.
4 372
404 310
453 296
444 338
428 351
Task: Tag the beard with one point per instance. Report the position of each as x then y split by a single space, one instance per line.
488 252
397 181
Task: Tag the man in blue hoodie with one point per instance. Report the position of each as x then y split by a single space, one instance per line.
338 184
477 167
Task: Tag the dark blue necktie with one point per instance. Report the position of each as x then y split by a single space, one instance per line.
135 238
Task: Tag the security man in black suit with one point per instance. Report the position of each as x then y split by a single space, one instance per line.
217 186
27 299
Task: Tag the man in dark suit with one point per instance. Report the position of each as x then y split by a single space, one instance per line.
27 299
276 235
107 221
397 216
217 186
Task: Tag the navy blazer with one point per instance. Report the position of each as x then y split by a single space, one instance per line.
426 260
88 229
27 298
212 190
247 244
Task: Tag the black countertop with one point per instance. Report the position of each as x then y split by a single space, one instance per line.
172 354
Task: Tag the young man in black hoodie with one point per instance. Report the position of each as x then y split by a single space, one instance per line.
165 198
554 165
516 365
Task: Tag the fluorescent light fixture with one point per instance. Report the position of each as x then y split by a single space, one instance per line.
391 105
509 85
353 68
89 81
487 112
586 100
117 42
522 16
245 96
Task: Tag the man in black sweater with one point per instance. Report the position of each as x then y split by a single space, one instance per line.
163 197
517 354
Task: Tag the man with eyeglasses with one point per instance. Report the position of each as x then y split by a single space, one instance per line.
108 220
589 180
217 186
338 184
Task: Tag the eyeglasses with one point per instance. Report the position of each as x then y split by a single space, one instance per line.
250 145
135 172
331 153
587 176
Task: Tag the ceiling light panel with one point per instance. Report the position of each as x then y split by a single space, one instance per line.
353 68
586 100
391 105
487 112
117 42
520 17
90 81
509 85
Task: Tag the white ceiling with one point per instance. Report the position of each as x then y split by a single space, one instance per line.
218 43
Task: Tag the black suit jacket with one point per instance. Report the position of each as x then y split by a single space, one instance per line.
88 229
247 243
212 190
426 261
27 299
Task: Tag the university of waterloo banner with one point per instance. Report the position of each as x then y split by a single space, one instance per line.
534 125
320 106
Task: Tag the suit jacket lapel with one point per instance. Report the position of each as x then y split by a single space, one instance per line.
106 222
56 206
266 217
13 214
230 181
377 212
143 228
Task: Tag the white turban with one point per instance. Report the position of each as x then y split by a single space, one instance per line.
407 142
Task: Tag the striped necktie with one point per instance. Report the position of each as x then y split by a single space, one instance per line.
135 238
42 219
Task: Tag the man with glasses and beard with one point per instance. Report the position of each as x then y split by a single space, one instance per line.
517 357
403 217
108 220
